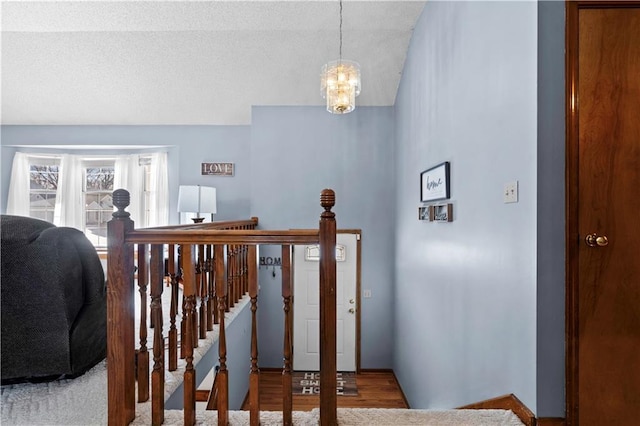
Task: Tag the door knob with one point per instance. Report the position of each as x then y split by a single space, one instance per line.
594 240
352 311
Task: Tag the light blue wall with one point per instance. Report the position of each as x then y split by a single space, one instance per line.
188 146
295 153
465 317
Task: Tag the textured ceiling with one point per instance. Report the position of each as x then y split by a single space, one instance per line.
190 62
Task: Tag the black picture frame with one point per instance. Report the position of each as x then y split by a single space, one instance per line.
434 183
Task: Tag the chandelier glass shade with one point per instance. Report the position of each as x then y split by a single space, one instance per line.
340 84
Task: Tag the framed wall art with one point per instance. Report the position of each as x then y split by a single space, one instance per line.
424 213
434 183
443 213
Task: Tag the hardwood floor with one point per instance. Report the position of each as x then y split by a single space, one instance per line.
378 389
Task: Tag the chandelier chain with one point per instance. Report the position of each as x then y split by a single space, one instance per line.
340 30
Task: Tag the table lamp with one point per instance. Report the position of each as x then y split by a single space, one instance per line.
197 199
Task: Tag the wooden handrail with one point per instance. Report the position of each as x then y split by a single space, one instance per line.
212 401
212 236
215 265
222 224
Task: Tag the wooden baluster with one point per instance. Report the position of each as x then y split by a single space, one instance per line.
189 289
236 274
210 290
173 332
121 398
230 274
143 353
236 278
223 382
233 296
328 399
157 376
194 318
202 289
245 267
183 319
214 271
254 375
287 390
194 308
242 274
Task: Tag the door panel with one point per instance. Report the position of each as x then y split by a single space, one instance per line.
313 337
608 205
306 306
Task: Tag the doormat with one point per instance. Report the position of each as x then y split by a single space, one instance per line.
308 383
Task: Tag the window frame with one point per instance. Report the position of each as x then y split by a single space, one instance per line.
43 161
87 162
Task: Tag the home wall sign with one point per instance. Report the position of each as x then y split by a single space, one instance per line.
434 183
272 262
217 169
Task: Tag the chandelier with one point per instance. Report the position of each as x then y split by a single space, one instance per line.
340 82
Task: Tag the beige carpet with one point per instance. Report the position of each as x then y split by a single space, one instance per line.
380 417
359 417
81 402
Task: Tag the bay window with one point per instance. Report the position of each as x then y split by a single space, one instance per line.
75 191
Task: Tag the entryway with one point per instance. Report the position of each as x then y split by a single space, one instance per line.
603 207
306 339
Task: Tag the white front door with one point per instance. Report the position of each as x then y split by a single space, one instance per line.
306 301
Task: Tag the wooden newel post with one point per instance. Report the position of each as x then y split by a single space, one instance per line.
120 315
328 398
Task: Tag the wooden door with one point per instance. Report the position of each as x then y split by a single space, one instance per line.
306 323
603 240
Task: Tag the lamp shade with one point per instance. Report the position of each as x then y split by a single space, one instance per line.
197 199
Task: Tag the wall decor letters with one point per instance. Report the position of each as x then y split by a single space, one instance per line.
217 169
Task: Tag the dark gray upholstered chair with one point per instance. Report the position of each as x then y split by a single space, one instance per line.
54 305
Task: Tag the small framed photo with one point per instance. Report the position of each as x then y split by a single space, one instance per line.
424 213
443 213
434 183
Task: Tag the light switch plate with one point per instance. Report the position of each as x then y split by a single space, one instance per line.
510 194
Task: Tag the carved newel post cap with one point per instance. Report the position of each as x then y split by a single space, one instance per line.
121 200
327 199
